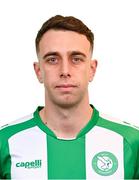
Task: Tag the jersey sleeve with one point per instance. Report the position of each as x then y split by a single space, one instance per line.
4 156
137 166
1 160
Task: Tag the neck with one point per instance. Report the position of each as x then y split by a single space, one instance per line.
66 122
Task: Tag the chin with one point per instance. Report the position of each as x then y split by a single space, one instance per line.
67 103
67 100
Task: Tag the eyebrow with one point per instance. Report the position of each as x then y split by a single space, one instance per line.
77 53
55 53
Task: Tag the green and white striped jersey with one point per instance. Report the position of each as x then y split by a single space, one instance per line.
103 149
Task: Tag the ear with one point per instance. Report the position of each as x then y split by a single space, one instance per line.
38 72
93 67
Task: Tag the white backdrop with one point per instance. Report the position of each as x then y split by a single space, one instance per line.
115 23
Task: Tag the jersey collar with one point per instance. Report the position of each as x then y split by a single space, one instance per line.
89 125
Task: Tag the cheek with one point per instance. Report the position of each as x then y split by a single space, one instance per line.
49 78
44 75
84 76
87 73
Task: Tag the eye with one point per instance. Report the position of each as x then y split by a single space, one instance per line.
52 60
77 60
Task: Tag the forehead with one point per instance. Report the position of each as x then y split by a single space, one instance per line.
63 41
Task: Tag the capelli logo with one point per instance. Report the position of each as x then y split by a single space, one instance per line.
33 164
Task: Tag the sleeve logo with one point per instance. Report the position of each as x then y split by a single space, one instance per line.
105 163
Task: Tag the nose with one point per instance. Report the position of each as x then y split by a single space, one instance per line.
65 69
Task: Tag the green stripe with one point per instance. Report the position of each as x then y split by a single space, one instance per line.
129 161
66 158
5 161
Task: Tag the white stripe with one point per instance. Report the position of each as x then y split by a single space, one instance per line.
99 140
110 118
18 121
116 120
23 119
27 146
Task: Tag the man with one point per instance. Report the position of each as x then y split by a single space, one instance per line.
67 139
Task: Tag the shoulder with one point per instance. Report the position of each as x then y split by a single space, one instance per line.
128 131
14 127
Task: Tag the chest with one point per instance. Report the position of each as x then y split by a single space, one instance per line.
97 155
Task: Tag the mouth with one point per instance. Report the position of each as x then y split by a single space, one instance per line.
66 87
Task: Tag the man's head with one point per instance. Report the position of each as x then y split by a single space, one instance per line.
64 49
70 23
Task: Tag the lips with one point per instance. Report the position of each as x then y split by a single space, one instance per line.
66 86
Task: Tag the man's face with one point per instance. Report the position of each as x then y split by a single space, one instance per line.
65 67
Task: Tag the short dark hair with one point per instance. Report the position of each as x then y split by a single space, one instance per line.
70 23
